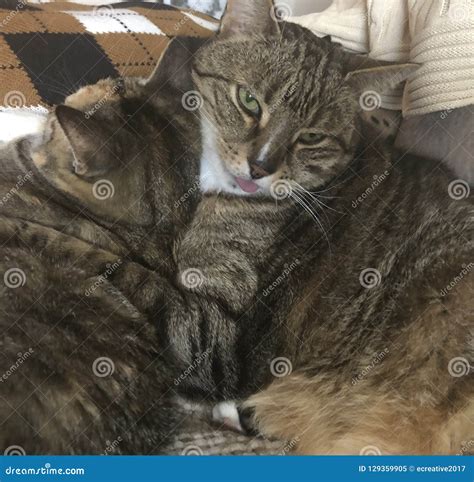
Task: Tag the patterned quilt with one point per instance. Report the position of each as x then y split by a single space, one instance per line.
49 50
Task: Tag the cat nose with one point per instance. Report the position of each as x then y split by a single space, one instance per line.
260 169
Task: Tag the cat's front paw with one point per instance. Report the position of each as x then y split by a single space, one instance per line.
232 416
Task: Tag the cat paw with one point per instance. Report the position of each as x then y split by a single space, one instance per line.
234 417
227 414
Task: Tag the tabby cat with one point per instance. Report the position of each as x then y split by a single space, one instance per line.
83 371
359 281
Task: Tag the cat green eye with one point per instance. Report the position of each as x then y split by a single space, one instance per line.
248 102
310 138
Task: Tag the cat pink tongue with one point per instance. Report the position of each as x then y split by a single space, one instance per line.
247 186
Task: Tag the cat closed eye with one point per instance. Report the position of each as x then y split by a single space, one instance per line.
248 102
310 138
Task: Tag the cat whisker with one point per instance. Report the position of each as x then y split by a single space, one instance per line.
315 197
310 200
307 207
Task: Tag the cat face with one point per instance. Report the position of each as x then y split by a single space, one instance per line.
279 104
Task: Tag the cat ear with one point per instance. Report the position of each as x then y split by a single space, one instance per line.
88 138
365 73
249 17
174 65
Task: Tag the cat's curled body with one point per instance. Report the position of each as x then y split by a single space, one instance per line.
83 371
373 321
